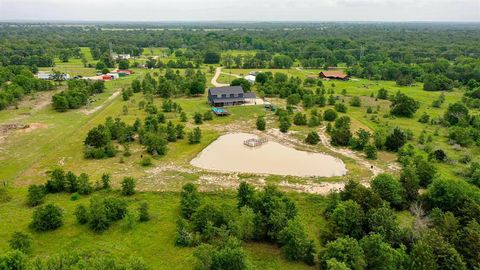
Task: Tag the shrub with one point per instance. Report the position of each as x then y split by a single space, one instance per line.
46 218
21 241
106 181
143 212
284 124
81 214
312 138
300 119
98 220
84 185
261 123
329 115
146 161
356 101
197 118
395 140
128 186
340 107
207 116
36 195
370 151
195 136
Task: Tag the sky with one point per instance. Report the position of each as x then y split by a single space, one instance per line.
241 10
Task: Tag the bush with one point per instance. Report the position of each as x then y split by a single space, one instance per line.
81 214
312 138
36 195
329 115
300 119
340 107
261 123
284 124
143 212
207 116
21 241
146 161
195 136
370 151
197 118
128 186
356 101
84 185
395 140
47 218
98 220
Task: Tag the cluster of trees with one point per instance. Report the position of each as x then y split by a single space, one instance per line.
172 84
17 81
77 94
404 53
217 230
61 181
70 259
364 233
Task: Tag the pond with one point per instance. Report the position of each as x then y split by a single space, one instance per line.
229 154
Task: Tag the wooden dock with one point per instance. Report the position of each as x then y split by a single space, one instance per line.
255 142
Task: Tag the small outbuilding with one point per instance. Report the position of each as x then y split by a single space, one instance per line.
229 96
335 75
250 78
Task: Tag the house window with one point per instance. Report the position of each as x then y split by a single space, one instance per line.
232 95
240 95
224 95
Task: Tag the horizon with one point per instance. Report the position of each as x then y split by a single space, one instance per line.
247 11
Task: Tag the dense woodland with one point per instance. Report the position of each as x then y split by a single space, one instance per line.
361 229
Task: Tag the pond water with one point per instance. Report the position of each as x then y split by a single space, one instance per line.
229 154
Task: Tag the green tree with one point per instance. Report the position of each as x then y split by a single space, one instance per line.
348 218
403 105
190 200
195 136
370 151
295 245
47 218
395 140
36 195
97 217
312 138
345 250
410 183
245 195
261 123
389 189
81 214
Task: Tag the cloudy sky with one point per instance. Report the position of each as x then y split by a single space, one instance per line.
243 10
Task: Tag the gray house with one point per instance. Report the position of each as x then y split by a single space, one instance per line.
229 96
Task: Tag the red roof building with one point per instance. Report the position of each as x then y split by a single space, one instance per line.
337 75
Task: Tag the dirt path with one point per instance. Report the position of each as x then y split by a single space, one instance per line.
218 71
231 74
88 112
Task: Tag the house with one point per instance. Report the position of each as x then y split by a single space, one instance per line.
229 96
121 56
337 75
250 78
113 75
49 76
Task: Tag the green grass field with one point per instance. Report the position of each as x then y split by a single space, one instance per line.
25 156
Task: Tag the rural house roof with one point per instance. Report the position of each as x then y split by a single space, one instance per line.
227 90
334 74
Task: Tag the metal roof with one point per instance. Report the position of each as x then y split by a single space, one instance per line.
227 90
